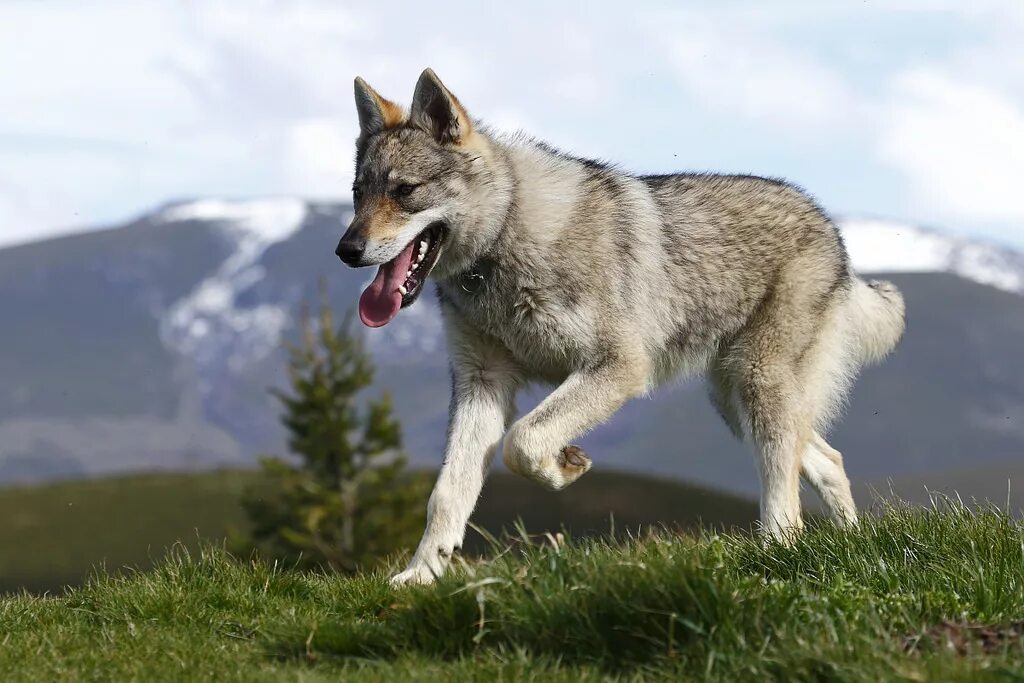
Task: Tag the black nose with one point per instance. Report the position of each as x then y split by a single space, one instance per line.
350 250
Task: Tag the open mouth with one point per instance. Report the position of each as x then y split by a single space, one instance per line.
399 281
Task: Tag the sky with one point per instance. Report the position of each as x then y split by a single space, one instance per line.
911 110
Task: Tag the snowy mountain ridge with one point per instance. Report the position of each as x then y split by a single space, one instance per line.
887 246
210 326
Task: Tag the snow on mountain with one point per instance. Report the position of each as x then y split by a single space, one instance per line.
267 220
887 246
207 325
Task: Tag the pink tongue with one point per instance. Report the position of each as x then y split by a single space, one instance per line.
381 301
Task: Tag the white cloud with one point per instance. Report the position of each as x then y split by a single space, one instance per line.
959 144
318 159
67 203
19 217
948 121
116 107
743 70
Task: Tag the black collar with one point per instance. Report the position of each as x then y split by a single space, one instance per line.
473 279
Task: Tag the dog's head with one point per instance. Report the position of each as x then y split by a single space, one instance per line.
414 184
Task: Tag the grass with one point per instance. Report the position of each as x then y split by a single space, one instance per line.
54 534
882 602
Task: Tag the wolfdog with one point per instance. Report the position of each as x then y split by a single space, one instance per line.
568 271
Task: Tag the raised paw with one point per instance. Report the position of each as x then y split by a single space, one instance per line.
573 462
532 457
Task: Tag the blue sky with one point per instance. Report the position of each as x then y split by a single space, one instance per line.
903 109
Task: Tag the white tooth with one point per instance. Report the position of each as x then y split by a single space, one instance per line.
419 258
410 272
423 247
403 290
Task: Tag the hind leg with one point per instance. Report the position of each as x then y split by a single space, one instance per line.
772 359
822 466
825 373
781 438
754 387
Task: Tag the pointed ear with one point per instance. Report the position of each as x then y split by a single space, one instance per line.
438 112
375 112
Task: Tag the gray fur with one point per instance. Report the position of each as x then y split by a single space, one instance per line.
607 285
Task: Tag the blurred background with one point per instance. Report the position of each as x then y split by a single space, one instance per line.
174 177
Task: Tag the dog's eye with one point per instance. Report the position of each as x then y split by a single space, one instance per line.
357 193
404 190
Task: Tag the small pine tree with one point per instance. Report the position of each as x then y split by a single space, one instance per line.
348 500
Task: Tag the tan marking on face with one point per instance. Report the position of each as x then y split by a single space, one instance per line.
382 219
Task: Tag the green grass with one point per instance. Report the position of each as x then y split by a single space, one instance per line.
54 534
864 605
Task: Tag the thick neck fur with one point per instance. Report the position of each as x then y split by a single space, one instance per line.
520 189
491 195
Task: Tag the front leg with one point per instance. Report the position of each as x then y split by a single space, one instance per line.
484 383
538 445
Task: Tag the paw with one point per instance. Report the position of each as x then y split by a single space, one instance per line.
415 575
573 462
567 466
426 567
528 454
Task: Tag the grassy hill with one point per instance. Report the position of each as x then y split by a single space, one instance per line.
53 535
999 483
913 595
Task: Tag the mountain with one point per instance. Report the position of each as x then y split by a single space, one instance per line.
152 345
887 246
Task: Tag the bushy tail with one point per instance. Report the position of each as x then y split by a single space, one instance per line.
876 313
